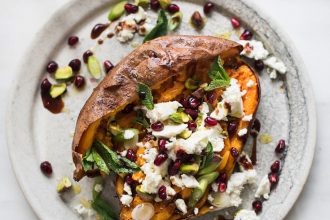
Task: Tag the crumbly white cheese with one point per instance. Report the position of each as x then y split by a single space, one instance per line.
250 83
253 49
210 198
246 215
84 212
98 188
220 112
263 189
215 187
273 74
181 205
145 28
232 95
125 34
204 108
170 131
170 191
247 117
127 189
189 181
177 181
162 111
123 153
242 132
243 93
126 200
196 210
217 140
276 64
128 134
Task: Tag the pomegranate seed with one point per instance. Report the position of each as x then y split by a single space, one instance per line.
87 54
192 112
154 5
232 127
107 66
210 121
255 128
45 85
172 8
257 206
131 155
174 167
259 65
222 187
210 96
157 126
235 23
79 81
246 35
75 64
192 125
197 20
273 178
129 180
223 177
130 8
162 144
51 67
193 102
280 148
128 108
184 157
161 157
73 40
234 152
275 166
162 192
208 7
46 168
184 102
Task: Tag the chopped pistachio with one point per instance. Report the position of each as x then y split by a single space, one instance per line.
57 90
189 168
175 21
191 84
185 134
63 73
94 67
180 117
265 138
64 184
142 3
164 3
117 11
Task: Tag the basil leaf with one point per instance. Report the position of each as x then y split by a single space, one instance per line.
100 162
148 99
103 208
218 75
207 159
130 164
88 161
141 119
160 29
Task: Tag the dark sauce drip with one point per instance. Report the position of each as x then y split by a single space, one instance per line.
98 29
110 35
254 133
54 105
100 41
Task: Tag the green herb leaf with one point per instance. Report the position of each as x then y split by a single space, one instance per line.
207 159
88 161
100 163
130 164
218 75
160 29
148 100
141 119
103 208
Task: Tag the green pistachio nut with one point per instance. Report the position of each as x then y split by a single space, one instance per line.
191 84
64 184
57 90
94 67
175 21
63 73
117 11
189 168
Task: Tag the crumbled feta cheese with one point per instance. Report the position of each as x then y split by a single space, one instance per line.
177 181
276 64
273 74
196 210
220 112
243 93
215 187
242 132
127 189
162 111
81 210
211 207
253 49
247 118
263 188
246 215
181 205
250 83
210 198
170 191
217 141
124 35
145 28
98 188
170 131
126 200
123 153
189 181
204 108
128 134
232 96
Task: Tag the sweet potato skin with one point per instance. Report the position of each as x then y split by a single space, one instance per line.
152 63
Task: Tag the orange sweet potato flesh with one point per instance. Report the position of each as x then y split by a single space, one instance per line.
153 63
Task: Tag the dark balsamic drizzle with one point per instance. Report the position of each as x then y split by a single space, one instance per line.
98 29
254 133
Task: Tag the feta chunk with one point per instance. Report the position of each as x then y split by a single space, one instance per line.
196 210
253 49
204 108
263 189
232 95
189 181
246 215
273 74
177 181
250 83
247 117
162 111
276 64
181 205
242 132
170 131
151 183
126 200
215 187
210 198
127 189
220 112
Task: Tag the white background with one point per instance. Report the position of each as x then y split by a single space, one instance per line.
306 22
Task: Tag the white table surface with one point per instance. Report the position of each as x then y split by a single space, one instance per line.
306 22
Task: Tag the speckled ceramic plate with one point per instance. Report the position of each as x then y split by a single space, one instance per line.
34 134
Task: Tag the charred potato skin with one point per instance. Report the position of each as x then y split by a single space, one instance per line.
152 63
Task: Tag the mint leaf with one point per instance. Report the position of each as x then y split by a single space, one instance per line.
103 208
207 159
160 29
141 119
218 75
148 100
88 161
100 162
130 164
